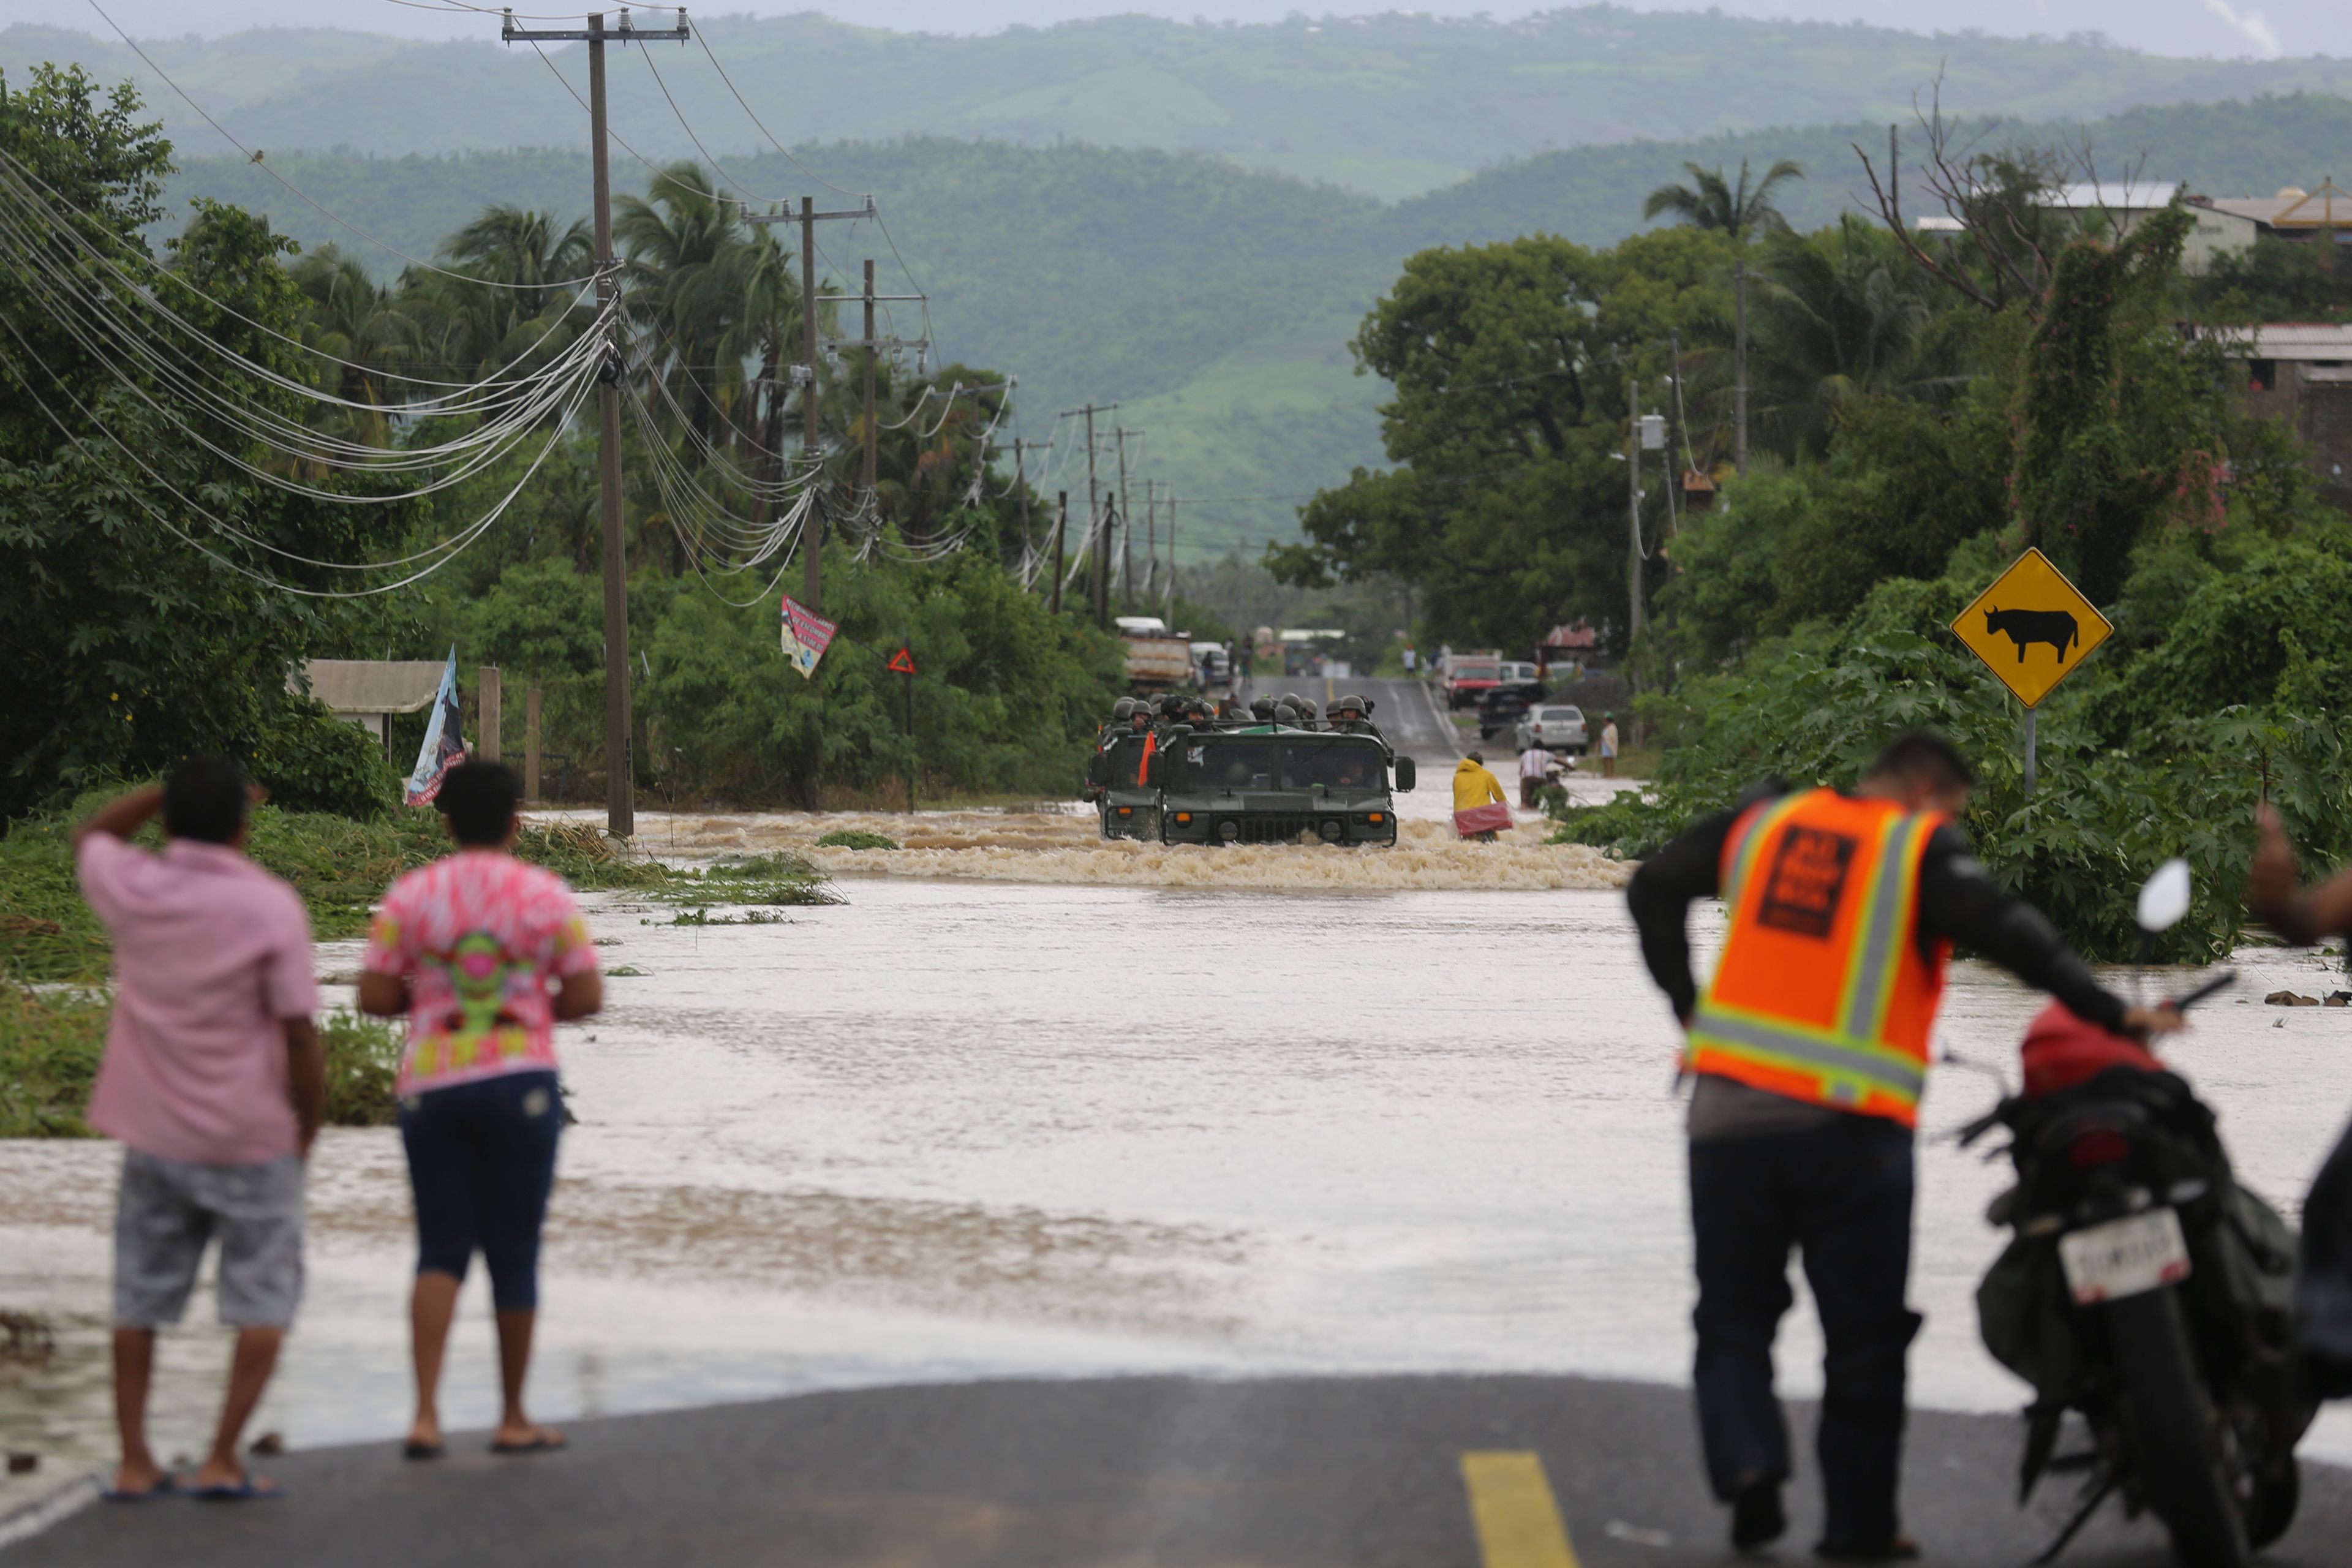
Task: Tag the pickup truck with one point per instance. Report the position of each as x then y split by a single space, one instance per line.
1468 680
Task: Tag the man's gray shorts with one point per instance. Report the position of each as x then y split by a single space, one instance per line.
169 1209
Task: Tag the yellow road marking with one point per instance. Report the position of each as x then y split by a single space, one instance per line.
1327 688
1517 1517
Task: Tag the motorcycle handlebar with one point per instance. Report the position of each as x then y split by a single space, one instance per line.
2220 982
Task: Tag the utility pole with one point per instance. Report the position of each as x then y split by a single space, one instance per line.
1633 515
812 439
1061 532
1672 467
866 481
1150 541
1021 493
812 442
1126 524
1740 362
1101 559
1171 553
620 786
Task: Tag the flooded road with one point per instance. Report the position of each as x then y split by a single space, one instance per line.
1346 1112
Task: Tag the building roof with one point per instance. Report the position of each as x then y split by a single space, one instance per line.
2293 207
2115 196
2289 341
375 685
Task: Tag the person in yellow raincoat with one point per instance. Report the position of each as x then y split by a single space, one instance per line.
1474 788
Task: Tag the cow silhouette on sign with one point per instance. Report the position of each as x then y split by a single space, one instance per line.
2026 627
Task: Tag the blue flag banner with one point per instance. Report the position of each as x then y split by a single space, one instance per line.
445 739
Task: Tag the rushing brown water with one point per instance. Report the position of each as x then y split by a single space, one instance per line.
1253 1110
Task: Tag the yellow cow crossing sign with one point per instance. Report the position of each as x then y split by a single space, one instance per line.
2032 627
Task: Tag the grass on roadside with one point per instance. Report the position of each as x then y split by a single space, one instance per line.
51 1042
49 934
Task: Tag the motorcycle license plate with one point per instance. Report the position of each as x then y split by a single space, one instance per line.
2123 1257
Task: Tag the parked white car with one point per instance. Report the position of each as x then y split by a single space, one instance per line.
1559 726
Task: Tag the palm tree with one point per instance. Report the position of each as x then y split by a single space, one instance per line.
1710 201
366 327
683 276
1843 314
514 295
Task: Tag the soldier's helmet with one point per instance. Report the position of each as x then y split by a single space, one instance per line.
1357 703
1263 708
1123 709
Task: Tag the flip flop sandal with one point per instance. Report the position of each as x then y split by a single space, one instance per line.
412 1449
541 1443
245 1490
167 1486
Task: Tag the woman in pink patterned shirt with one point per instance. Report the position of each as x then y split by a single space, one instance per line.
485 955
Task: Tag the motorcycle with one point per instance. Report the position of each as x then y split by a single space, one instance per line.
2143 1289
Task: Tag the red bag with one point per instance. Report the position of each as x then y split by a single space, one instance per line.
1482 819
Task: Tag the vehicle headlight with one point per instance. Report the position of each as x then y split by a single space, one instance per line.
1229 831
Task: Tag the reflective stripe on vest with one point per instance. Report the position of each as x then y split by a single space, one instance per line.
1847 1059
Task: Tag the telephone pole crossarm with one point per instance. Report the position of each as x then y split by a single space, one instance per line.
626 33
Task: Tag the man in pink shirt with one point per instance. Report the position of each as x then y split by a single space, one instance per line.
215 1081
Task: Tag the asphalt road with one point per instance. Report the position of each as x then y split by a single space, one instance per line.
1374 1472
1412 723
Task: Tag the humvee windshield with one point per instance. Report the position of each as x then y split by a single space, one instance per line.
1266 765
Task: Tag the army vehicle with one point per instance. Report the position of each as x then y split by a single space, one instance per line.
1269 783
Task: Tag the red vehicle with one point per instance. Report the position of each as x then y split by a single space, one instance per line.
1468 680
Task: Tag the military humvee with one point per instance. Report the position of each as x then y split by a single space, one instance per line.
1270 783
1130 807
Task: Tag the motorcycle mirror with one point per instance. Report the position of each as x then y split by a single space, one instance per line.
2164 898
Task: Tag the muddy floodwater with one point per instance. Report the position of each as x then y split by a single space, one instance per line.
1029 1104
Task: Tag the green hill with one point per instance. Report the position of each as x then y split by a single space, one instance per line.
1389 105
1213 304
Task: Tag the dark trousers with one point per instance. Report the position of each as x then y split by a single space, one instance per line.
481 1162
1841 1193
2323 1284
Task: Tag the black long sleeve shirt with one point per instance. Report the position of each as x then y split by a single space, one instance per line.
1959 902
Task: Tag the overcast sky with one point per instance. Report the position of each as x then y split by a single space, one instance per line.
2222 27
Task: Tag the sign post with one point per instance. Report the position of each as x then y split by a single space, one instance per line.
903 662
2032 629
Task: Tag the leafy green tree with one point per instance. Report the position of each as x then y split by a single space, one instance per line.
141 610
2276 280
1511 366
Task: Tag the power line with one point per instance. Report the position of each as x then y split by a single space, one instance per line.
256 157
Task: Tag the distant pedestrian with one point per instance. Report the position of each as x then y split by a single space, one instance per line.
215 1084
1609 745
1535 768
486 955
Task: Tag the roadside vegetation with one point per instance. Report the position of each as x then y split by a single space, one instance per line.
131 655
1921 413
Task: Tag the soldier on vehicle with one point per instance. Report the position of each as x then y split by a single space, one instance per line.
1353 716
1809 1048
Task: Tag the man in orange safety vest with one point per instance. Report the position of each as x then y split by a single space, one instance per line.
1807 1053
